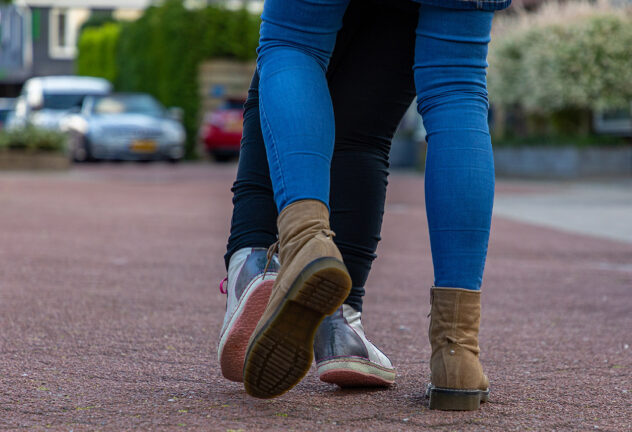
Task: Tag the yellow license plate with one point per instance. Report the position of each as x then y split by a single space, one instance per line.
144 146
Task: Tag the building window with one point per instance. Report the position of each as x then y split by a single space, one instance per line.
64 25
61 30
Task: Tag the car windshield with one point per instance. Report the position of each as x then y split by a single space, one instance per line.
62 101
133 104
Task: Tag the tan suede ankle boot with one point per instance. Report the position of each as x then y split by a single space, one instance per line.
312 283
457 378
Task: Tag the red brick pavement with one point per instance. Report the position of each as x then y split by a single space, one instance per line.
110 313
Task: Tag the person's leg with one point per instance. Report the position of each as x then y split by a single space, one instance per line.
253 223
253 229
450 76
296 41
371 86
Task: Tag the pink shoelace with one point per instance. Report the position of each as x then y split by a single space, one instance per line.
222 284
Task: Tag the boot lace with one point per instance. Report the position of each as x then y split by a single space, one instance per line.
328 232
222 286
455 341
274 248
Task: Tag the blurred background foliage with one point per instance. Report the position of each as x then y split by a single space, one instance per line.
32 139
98 50
97 19
550 70
160 52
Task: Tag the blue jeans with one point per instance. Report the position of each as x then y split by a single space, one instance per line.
296 41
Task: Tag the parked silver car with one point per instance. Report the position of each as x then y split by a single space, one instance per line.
124 126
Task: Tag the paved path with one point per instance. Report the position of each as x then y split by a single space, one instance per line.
601 209
110 313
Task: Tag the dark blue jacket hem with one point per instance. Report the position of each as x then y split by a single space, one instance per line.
485 5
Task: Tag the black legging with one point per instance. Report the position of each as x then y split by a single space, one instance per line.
371 84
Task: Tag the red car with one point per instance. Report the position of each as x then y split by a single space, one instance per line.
222 128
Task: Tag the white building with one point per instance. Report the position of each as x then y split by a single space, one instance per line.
39 37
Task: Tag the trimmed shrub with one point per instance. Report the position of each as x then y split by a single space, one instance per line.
34 139
551 69
98 18
97 51
551 65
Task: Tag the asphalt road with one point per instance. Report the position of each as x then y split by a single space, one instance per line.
110 313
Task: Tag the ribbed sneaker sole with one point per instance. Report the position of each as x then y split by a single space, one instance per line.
353 379
235 341
281 354
353 372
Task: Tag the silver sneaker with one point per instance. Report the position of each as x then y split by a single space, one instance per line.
344 356
248 287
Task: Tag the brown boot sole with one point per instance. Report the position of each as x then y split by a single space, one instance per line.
456 400
281 353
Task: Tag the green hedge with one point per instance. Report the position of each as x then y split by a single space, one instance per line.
557 66
161 51
97 51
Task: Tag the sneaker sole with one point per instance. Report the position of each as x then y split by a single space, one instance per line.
456 400
234 341
281 353
356 372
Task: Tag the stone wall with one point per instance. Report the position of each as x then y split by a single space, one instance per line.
563 162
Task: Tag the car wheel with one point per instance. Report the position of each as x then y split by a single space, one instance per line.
222 157
80 148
